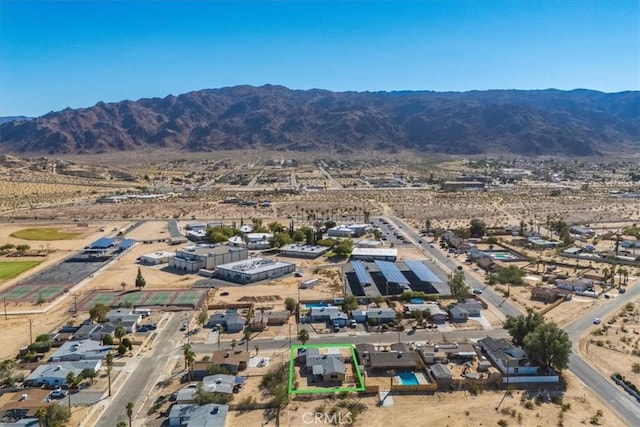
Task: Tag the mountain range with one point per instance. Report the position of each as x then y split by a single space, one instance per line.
522 122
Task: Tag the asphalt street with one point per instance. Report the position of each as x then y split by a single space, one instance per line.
144 375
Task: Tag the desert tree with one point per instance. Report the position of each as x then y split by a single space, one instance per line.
458 286
119 332
549 346
303 336
140 282
129 411
521 326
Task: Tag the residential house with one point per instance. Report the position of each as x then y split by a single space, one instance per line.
230 320
80 350
444 352
486 264
262 319
436 314
325 367
192 415
509 359
460 312
23 403
575 284
381 315
360 316
222 383
55 374
401 357
545 294
232 361
323 314
339 319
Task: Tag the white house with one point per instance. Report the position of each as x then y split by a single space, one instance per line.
55 374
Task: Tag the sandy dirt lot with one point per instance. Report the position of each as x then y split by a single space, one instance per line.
457 409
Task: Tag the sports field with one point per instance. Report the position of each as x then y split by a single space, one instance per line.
11 269
34 293
187 298
169 297
43 234
160 298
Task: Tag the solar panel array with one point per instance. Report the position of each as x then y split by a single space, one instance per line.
391 272
422 271
361 273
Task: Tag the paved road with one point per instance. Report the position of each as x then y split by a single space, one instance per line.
345 337
144 375
616 398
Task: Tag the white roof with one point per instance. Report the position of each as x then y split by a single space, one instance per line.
159 255
390 252
253 265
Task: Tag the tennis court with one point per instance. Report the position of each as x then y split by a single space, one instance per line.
18 292
49 292
101 298
131 299
188 298
159 298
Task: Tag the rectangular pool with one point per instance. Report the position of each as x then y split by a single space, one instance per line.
316 305
408 378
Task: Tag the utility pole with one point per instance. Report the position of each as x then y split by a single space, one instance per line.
75 303
30 331
5 307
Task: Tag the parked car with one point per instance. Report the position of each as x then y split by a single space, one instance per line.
477 291
183 327
622 290
596 321
354 323
58 393
297 274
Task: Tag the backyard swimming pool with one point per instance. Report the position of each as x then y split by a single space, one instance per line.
408 378
503 255
316 305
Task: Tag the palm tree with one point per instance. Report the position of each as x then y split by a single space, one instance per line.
233 344
130 411
119 332
257 349
189 358
40 415
109 364
303 336
71 379
392 374
605 274
247 337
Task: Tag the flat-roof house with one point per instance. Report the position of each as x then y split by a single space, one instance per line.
360 316
232 361
55 374
192 259
192 415
371 254
80 350
222 383
508 358
303 251
119 315
575 284
230 320
443 352
323 314
339 319
325 367
381 315
253 270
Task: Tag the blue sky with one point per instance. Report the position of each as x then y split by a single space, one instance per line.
73 54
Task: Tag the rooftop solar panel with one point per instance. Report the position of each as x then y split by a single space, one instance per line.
391 272
361 273
422 271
